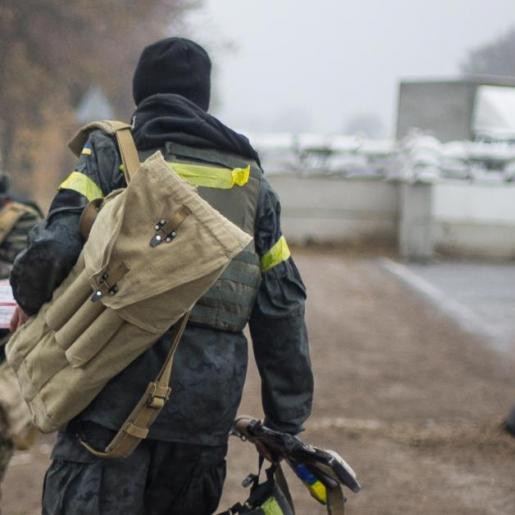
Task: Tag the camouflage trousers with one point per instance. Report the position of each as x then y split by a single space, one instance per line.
159 478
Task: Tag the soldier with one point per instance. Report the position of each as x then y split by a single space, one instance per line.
16 219
180 467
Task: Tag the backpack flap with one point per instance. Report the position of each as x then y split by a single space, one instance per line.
157 235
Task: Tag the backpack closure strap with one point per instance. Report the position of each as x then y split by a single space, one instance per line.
137 425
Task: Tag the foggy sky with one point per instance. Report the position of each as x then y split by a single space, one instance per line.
316 64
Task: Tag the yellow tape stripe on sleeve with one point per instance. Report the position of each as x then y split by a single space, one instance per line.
277 254
82 184
211 176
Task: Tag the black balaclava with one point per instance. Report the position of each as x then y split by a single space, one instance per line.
173 65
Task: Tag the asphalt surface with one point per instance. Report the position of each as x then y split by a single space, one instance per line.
478 296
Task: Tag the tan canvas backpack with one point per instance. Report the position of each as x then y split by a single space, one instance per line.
154 249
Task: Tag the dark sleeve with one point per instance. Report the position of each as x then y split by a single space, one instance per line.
277 324
95 175
55 243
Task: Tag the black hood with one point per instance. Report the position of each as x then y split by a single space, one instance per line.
162 118
173 65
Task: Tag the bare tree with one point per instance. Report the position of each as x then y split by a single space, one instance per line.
494 58
52 51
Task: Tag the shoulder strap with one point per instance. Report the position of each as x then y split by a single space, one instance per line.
124 138
136 426
128 153
10 214
283 485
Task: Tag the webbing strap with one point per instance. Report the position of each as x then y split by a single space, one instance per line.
128 151
137 425
124 138
107 282
9 217
335 501
283 485
176 218
166 228
88 216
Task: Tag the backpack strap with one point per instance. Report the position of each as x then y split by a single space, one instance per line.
136 426
128 153
126 145
10 215
283 485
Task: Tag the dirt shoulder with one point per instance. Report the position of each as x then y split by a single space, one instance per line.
410 400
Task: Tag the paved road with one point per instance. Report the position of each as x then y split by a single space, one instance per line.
479 296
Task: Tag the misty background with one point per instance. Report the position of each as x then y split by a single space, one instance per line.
318 66
296 66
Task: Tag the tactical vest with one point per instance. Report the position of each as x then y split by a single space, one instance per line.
228 304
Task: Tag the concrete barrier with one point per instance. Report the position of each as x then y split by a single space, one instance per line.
474 219
450 217
325 209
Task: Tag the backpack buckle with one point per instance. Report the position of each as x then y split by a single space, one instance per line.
166 228
158 396
164 233
107 284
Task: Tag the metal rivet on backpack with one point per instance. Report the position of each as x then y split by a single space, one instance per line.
157 227
105 276
97 295
174 234
158 237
